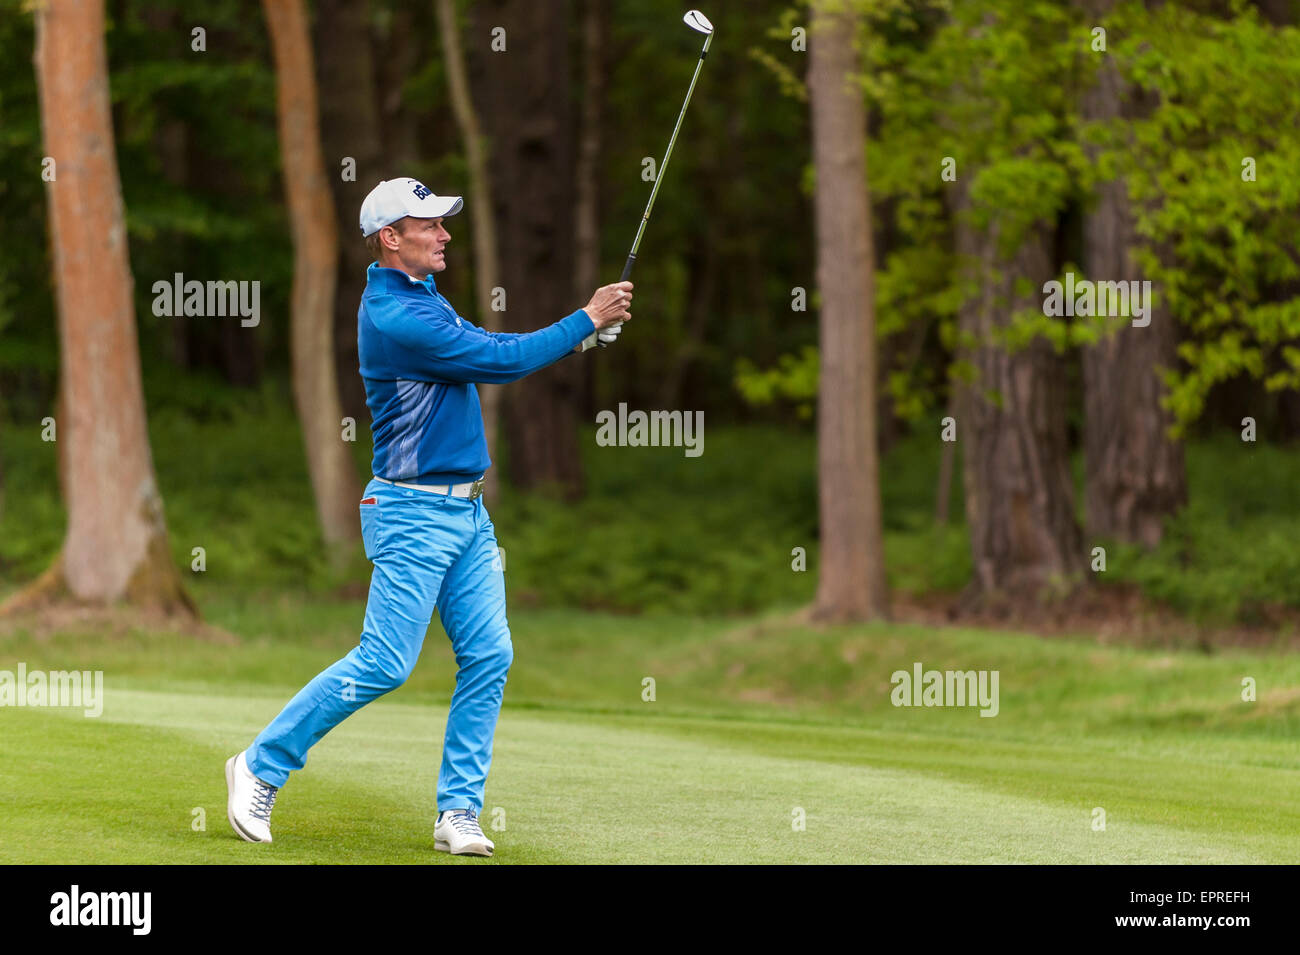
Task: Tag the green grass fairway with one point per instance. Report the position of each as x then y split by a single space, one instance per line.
711 771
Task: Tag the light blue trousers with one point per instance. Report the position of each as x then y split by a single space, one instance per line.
429 550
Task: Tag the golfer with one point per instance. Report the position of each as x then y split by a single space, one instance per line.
423 522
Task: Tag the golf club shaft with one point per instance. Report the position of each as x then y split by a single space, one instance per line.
663 166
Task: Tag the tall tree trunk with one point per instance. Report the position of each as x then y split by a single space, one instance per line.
851 583
189 165
116 544
1283 13
701 292
315 261
943 487
1011 422
171 143
1135 474
586 267
487 257
349 118
1279 13
528 117
397 48
595 36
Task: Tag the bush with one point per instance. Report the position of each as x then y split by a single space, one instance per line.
657 532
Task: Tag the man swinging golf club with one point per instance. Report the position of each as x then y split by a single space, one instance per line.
423 522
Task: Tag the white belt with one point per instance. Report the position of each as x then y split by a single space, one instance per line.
471 490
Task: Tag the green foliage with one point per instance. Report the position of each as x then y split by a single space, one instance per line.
997 87
658 532
731 232
794 378
1220 249
1230 555
990 86
28 347
785 67
233 482
198 158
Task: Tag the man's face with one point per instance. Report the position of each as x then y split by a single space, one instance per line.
420 247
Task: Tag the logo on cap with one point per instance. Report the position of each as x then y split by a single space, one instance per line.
395 199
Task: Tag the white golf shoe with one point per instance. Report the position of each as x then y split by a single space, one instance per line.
457 831
248 801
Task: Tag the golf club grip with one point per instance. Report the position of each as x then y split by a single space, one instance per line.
627 270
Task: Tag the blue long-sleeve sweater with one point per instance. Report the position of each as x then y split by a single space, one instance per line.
420 361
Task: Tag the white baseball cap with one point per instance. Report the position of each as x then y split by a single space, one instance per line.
395 199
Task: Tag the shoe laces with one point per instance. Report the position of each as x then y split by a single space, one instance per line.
263 801
465 822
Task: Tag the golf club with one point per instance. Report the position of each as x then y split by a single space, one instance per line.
700 23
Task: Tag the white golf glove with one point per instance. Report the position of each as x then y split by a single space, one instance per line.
606 336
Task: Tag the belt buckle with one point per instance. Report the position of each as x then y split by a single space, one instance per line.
476 488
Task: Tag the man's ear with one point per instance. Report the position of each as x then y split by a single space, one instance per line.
388 238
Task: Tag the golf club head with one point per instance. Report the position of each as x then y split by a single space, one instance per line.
697 21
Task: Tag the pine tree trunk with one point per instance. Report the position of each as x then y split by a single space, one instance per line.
1011 422
116 545
1135 474
528 118
595 36
943 487
397 50
349 122
487 256
315 244
851 582
586 266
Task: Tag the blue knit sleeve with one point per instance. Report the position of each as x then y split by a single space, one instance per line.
426 346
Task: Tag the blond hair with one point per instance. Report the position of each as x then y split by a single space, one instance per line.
375 247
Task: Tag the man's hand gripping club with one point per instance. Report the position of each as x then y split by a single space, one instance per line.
608 310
